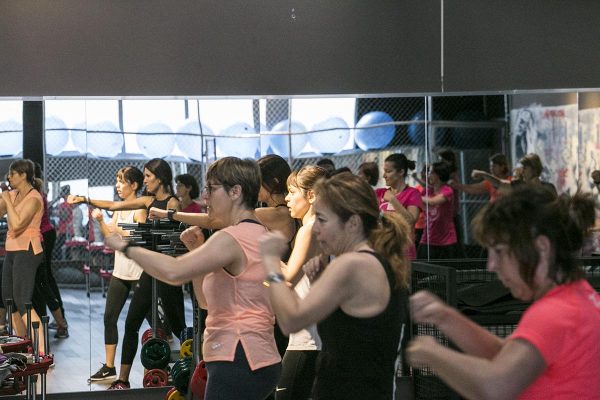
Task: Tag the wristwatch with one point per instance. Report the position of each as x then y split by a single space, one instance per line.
274 277
170 213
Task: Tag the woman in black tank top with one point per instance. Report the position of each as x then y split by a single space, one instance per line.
158 180
359 299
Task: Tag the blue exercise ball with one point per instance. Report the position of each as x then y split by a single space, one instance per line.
331 136
11 137
416 131
242 141
368 137
56 135
155 140
189 140
279 139
104 139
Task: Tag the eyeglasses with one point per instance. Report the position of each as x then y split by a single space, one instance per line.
208 189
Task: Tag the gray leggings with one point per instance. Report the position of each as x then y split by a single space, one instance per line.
18 277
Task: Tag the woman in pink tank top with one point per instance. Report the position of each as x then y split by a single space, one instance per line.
239 348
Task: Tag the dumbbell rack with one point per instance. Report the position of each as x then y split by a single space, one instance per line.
25 379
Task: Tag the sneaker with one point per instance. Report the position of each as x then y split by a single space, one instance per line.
104 373
62 333
119 385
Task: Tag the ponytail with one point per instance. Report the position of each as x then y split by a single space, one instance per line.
391 238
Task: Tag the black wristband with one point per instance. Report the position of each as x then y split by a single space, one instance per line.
171 213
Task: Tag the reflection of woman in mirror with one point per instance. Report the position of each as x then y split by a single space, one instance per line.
126 272
359 300
239 349
439 236
23 206
492 183
398 196
532 238
187 191
158 179
46 292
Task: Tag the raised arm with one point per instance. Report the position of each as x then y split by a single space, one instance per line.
133 204
178 270
410 213
304 249
202 220
19 221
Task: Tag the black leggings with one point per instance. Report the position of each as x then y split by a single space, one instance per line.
141 303
18 277
118 291
46 290
297 375
234 380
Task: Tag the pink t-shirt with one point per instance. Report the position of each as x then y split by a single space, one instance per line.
409 196
193 208
239 309
564 326
439 222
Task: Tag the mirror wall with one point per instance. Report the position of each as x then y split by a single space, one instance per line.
87 141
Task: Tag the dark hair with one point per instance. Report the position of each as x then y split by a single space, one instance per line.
533 161
189 181
442 170
275 171
529 211
231 171
346 195
341 170
400 162
327 164
27 167
448 156
500 160
370 170
131 175
163 172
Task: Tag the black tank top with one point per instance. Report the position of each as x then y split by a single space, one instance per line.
162 204
361 352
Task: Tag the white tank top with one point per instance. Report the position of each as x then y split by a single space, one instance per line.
125 268
308 338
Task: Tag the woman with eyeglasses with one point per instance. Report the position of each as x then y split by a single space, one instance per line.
158 179
239 349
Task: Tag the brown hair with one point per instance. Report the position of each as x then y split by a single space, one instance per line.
306 177
527 212
275 171
131 175
389 234
532 160
27 167
231 171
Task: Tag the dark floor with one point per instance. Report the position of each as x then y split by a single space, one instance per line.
80 355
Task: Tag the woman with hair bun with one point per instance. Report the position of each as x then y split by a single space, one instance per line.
398 196
532 238
359 298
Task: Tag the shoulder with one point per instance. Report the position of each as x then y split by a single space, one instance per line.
446 190
351 264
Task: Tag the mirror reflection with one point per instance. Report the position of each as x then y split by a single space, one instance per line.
435 160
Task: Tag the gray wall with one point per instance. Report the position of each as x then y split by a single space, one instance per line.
284 47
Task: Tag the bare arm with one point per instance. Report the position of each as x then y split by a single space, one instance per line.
202 220
494 180
304 249
515 367
19 221
133 204
178 270
473 188
436 200
410 214
466 334
326 294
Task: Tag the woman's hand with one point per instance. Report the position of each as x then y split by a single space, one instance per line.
6 196
97 214
115 242
73 199
157 213
313 267
419 350
192 237
427 308
387 196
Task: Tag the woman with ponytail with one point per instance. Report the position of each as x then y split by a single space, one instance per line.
23 205
532 238
359 300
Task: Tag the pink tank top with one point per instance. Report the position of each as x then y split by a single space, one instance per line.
32 232
239 309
